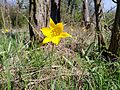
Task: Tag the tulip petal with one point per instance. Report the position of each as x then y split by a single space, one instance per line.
46 40
64 35
52 24
59 27
46 31
56 40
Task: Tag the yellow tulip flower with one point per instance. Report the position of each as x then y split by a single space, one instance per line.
6 30
54 33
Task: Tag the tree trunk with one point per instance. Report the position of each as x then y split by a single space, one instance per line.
99 13
68 5
6 15
114 46
39 14
55 10
32 35
72 6
86 17
17 15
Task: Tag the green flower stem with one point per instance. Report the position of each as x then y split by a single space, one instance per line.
52 52
51 56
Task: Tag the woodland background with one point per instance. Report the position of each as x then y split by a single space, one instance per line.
87 61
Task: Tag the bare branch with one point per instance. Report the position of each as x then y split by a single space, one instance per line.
114 1
111 9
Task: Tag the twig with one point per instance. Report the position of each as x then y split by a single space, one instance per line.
111 9
114 1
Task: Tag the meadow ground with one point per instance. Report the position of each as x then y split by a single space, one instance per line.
75 64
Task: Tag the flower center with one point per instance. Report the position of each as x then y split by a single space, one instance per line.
55 33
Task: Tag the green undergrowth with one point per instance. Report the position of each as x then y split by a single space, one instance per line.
22 67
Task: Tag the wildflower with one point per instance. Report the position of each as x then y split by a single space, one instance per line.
5 31
54 33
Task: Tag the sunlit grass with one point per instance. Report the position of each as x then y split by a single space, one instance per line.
28 68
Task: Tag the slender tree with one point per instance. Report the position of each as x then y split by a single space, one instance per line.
115 37
55 10
6 15
39 14
98 14
68 4
86 17
72 6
